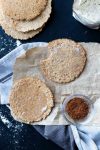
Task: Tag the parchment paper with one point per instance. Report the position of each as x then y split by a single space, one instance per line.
87 84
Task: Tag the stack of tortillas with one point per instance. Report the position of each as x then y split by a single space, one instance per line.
23 19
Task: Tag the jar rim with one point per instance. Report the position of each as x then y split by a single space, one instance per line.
86 119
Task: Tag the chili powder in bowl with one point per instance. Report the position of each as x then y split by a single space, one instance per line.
77 109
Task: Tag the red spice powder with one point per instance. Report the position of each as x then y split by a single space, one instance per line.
77 108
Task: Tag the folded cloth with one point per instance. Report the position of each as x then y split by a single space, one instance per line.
85 137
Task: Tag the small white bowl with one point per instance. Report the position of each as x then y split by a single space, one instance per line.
87 119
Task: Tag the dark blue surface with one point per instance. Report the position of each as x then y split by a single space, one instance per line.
18 136
60 25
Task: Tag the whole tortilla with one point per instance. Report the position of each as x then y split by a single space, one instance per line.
25 26
23 9
30 100
20 35
66 61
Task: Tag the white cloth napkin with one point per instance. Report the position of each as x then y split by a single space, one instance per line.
6 68
86 137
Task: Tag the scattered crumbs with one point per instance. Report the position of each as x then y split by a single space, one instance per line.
13 134
15 128
6 122
7 44
18 43
2 49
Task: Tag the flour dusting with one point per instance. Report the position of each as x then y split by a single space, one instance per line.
18 43
7 44
6 122
15 128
